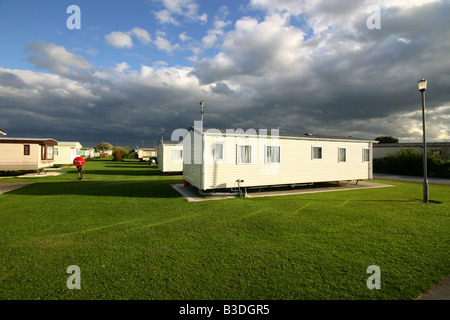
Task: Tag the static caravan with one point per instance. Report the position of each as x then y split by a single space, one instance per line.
144 154
66 152
170 157
227 159
26 154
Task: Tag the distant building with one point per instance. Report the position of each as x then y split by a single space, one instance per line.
144 154
2 133
170 157
26 154
66 152
439 148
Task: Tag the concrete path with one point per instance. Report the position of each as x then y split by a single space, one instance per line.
441 181
37 175
7 187
439 292
192 195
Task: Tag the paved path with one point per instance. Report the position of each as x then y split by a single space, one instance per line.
439 292
440 181
192 195
7 187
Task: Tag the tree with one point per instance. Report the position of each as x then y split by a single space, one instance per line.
102 147
387 139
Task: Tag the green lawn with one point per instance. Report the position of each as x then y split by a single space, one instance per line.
134 237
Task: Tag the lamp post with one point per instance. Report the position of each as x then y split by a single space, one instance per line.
202 106
423 88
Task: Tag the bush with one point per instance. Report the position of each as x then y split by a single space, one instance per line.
410 162
120 152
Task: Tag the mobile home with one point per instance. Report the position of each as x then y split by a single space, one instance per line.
144 154
227 159
66 152
170 157
26 154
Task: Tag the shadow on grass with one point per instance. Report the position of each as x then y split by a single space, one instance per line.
135 189
137 172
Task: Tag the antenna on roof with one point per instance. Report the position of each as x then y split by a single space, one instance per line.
162 134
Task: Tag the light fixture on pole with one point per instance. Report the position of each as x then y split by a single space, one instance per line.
423 88
202 106
162 134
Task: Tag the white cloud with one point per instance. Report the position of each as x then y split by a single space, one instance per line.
214 34
165 16
142 35
184 37
164 44
180 8
404 40
121 39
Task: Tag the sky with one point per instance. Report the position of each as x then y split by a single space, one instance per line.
118 71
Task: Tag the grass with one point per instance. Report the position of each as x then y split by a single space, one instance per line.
134 237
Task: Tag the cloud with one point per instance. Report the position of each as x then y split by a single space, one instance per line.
184 37
173 9
213 35
245 52
164 44
121 39
12 80
142 35
58 60
302 66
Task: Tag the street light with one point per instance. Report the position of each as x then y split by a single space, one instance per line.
423 88
202 106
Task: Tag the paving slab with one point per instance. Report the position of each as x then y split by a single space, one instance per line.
192 194
37 175
7 187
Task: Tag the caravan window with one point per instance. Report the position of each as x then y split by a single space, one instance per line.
342 154
50 154
177 155
244 154
218 151
316 153
366 155
272 154
43 152
26 150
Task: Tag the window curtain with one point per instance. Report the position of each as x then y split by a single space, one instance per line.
342 155
245 154
273 154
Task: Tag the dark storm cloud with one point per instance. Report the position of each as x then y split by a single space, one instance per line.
342 79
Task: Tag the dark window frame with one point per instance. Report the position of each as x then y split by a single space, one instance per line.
26 149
